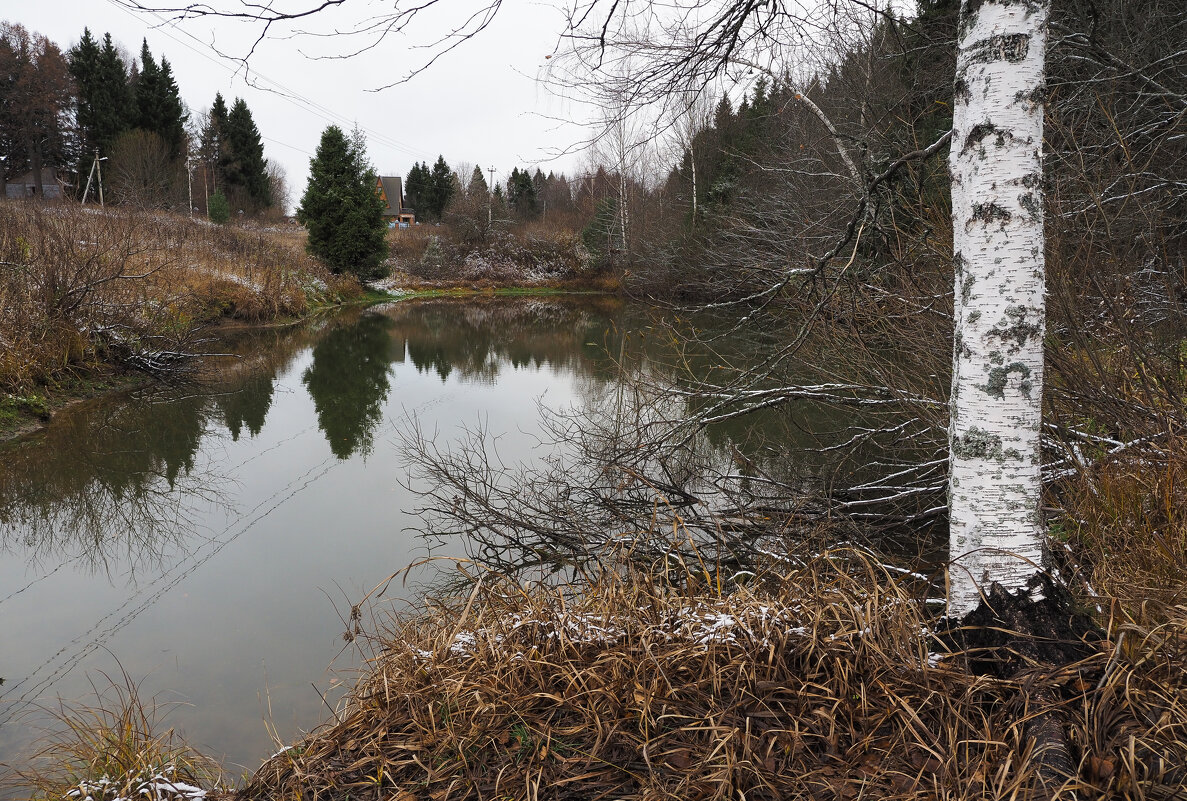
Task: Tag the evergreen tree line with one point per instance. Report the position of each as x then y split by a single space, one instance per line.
433 192
62 109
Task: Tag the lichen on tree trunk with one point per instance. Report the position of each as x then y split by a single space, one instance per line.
997 380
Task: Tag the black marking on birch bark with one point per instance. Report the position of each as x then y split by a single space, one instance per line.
974 316
970 8
977 443
995 386
1010 47
1033 206
1037 96
966 288
981 131
988 212
961 91
1032 180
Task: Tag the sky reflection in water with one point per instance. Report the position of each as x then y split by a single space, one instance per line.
205 538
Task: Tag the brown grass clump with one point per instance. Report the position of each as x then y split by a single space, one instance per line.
118 749
820 684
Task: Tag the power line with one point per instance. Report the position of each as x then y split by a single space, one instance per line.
325 113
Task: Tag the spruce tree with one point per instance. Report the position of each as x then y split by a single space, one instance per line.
478 187
210 142
83 60
218 209
146 92
113 99
417 189
521 193
439 189
340 209
158 103
245 170
173 116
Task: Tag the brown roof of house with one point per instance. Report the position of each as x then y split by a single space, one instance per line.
391 189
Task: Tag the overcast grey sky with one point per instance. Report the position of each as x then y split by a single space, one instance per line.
479 104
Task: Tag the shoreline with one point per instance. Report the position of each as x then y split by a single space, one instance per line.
22 416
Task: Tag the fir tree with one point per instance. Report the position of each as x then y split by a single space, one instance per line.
521 193
416 187
113 99
173 116
477 187
241 156
210 149
158 102
83 60
218 209
440 188
340 208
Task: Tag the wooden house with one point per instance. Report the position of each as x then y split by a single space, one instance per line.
24 185
391 191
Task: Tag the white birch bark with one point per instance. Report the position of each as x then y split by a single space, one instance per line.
997 380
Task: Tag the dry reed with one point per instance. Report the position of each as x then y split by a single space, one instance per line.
823 683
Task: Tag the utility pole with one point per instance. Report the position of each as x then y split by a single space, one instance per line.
99 172
189 180
490 197
95 168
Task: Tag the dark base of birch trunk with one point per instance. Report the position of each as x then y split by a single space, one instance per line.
1045 646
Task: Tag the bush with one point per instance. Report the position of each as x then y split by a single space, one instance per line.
219 210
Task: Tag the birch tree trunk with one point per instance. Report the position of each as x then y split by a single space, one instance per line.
997 379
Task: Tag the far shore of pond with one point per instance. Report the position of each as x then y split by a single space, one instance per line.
24 415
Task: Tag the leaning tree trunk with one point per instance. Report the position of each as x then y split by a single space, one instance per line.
997 380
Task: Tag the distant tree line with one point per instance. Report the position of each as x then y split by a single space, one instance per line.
61 110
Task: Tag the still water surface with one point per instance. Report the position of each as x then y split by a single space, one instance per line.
207 539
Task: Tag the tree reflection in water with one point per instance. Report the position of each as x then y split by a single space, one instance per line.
349 381
106 483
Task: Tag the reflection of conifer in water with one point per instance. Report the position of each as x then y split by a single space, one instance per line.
348 382
247 405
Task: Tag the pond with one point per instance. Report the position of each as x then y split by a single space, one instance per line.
208 538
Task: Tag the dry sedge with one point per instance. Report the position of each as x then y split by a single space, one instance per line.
818 684
117 748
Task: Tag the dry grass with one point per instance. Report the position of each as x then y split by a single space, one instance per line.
117 748
818 684
80 287
525 254
1127 518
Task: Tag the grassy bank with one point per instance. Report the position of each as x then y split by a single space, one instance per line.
822 682
89 297
528 256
